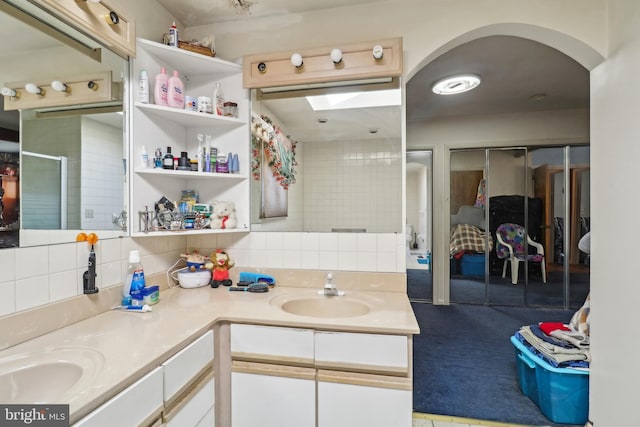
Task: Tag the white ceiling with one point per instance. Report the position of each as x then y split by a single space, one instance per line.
512 69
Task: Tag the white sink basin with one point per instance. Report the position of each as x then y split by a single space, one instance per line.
47 376
314 305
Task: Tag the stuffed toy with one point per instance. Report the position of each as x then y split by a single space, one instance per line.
195 260
220 264
223 215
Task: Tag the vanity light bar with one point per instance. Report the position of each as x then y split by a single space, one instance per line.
351 62
85 89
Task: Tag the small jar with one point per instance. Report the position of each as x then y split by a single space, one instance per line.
231 109
204 105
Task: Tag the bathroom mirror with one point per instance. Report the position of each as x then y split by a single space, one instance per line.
69 173
348 171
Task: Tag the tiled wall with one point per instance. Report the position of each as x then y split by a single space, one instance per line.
370 252
102 175
31 277
340 179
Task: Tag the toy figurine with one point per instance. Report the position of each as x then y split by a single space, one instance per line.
220 265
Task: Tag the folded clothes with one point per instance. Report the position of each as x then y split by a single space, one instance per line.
554 352
576 338
573 364
535 329
548 327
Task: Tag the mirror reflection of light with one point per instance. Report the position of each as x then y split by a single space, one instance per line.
338 101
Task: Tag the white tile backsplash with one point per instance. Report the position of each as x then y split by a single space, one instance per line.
7 298
32 292
63 285
62 257
7 266
32 262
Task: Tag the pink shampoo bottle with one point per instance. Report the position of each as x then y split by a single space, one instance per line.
161 88
175 94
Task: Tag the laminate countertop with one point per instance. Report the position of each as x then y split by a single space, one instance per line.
120 346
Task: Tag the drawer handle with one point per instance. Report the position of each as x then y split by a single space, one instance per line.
527 361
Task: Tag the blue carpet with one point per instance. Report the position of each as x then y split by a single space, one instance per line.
464 363
471 290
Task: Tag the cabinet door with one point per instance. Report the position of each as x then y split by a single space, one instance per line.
184 367
272 396
272 344
137 405
362 352
195 406
361 400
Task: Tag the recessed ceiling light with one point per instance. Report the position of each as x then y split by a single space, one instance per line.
456 84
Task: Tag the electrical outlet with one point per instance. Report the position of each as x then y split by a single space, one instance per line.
88 213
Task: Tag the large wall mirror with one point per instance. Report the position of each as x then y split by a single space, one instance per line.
346 152
63 168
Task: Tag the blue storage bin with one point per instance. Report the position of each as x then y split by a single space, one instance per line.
562 394
472 265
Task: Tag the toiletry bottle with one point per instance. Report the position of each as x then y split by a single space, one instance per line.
173 35
235 167
134 280
143 87
161 88
144 158
157 160
167 160
175 91
221 163
213 158
218 99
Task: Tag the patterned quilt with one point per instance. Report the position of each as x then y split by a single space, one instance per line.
467 237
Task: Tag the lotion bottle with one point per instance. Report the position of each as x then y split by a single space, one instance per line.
175 91
143 87
161 88
218 99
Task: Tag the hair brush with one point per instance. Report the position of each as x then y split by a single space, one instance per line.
252 287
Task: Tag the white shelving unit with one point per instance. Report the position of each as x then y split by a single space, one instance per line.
155 126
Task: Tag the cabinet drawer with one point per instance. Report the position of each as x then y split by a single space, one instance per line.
272 344
194 406
137 405
388 354
183 368
377 400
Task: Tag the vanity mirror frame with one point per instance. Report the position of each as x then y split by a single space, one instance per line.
274 77
60 25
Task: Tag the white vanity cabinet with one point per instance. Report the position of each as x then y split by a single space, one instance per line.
189 384
155 126
302 377
138 405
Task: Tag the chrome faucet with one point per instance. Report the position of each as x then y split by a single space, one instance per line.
330 289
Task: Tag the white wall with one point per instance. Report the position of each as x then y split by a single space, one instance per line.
614 171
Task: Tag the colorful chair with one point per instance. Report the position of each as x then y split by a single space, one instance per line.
512 248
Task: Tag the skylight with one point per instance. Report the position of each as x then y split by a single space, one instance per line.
340 101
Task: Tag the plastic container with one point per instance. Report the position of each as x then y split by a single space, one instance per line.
472 265
173 35
151 295
134 280
143 87
161 88
175 91
218 100
562 394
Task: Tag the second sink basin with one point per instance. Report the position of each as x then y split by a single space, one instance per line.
314 305
47 376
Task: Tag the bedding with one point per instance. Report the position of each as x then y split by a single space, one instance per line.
467 237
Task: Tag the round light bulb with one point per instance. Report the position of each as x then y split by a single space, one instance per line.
7 91
378 52
59 86
296 60
336 56
32 88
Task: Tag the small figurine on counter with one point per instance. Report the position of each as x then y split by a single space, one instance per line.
220 265
195 260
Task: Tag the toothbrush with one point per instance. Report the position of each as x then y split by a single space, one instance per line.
142 308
